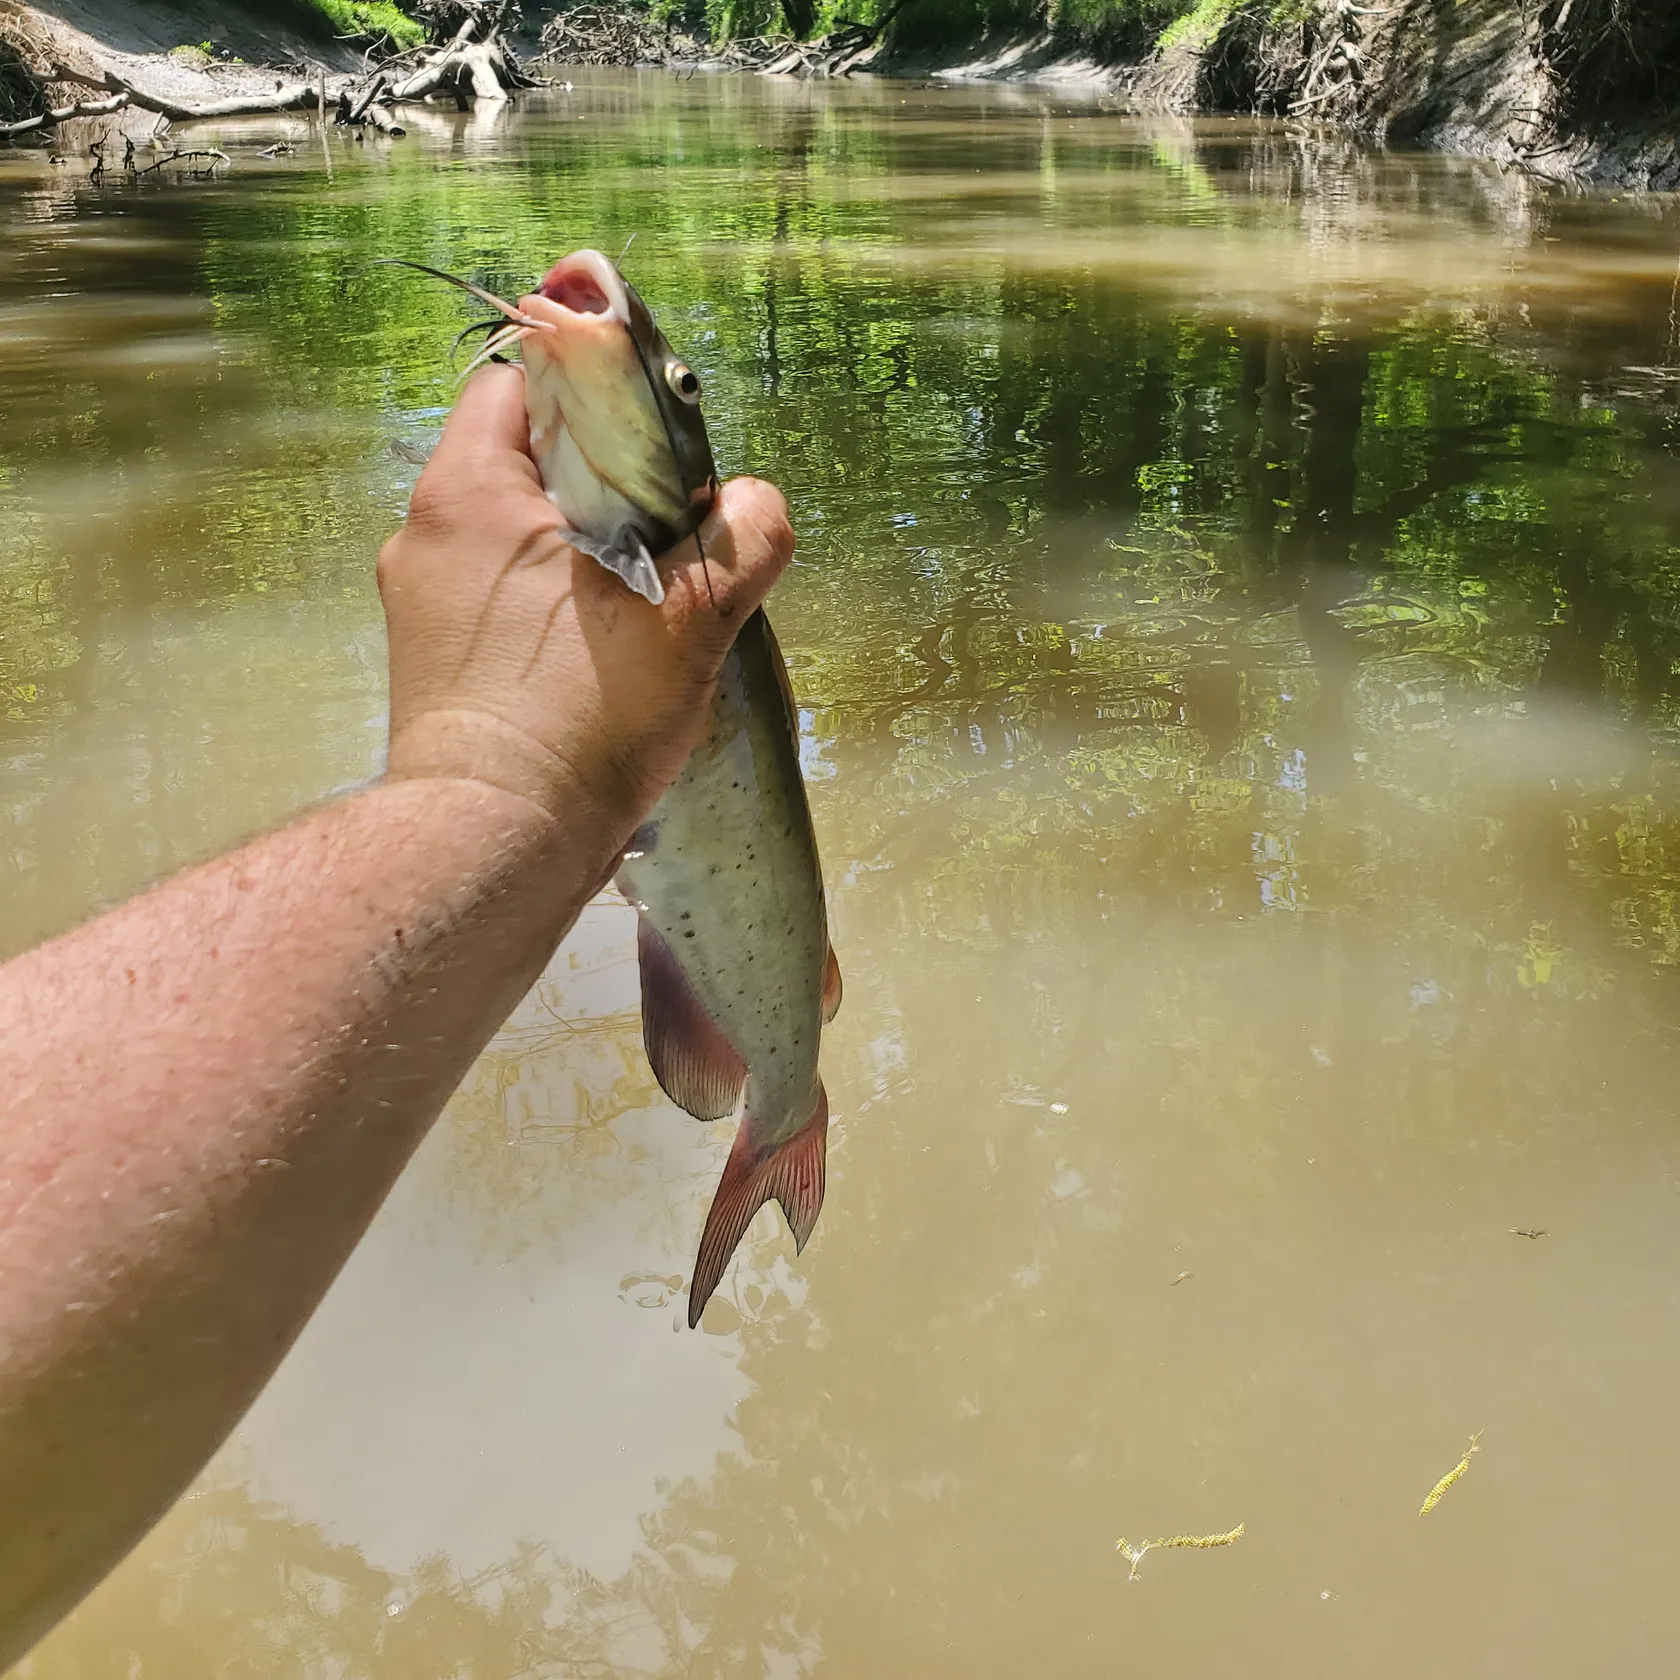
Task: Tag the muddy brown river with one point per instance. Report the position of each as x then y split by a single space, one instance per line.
1236 629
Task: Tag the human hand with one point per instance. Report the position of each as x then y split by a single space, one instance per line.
519 662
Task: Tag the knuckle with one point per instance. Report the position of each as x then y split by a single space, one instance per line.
387 567
431 509
779 533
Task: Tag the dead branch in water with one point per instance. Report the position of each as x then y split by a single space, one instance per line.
376 116
357 112
210 152
300 96
63 114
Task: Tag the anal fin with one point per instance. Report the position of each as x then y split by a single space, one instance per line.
696 1066
792 1174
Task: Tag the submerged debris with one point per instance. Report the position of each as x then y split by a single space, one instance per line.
1451 1476
1134 1555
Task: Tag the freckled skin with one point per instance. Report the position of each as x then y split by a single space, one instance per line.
731 879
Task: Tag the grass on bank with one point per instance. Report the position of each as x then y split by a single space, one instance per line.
367 20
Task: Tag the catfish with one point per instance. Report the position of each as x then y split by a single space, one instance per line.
738 974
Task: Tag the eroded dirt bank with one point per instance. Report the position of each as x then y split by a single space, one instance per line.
192 52
1572 89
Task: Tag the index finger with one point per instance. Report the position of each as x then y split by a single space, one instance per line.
488 427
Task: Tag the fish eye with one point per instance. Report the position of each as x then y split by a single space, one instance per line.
683 381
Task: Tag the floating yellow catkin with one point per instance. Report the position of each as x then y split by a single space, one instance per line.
1451 1476
1135 1554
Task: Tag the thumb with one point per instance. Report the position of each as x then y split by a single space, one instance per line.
716 583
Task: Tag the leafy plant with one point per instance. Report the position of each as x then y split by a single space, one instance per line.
367 20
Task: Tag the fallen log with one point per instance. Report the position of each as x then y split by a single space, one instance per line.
63 114
355 113
300 96
475 68
382 119
486 69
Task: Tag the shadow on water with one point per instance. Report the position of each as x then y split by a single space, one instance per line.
1237 619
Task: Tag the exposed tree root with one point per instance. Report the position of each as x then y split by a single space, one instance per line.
621 35
1555 87
607 34
475 63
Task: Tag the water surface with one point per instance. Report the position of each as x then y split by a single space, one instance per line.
1236 626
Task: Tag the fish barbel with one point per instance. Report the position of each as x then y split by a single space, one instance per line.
738 975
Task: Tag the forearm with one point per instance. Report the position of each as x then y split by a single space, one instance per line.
210 1090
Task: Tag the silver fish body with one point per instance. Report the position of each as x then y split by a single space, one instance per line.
726 874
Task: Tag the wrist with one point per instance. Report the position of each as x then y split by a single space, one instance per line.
465 745
500 788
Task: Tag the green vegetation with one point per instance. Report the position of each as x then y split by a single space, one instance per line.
368 20
1198 26
1123 24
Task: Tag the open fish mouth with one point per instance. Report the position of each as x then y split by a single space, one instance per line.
585 283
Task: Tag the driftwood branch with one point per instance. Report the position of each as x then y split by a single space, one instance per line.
475 63
359 110
300 96
62 72
64 113
176 157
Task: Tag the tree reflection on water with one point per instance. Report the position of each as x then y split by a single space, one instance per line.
1237 622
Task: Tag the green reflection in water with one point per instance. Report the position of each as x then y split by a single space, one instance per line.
1237 623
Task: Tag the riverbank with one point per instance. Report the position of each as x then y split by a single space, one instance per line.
1565 91
189 53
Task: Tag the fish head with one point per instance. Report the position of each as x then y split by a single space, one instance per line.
616 426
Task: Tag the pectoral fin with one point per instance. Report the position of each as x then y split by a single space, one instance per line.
696 1066
627 557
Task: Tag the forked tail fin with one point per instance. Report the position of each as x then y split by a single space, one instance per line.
791 1174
